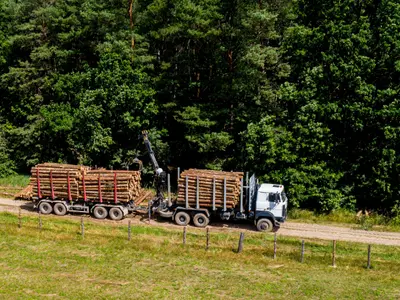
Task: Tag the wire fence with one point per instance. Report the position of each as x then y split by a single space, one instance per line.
241 244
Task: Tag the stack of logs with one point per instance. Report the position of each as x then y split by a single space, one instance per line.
85 184
205 179
99 184
51 180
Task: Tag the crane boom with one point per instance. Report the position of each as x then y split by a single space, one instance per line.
159 172
153 159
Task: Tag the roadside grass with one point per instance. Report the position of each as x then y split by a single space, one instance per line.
58 262
11 185
373 221
18 180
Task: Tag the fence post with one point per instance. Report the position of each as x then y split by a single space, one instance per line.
184 236
40 221
302 252
369 257
149 213
129 230
208 238
82 228
275 245
19 218
334 253
240 246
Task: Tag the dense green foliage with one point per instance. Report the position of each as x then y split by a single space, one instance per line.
299 92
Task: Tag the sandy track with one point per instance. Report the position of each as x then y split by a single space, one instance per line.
293 229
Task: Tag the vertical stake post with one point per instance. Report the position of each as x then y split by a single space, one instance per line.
302 252
84 186
208 238
187 192
52 185
213 195
82 228
240 246
224 194
40 221
69 187
275 237
184 236
197 193
115 188
38 183
334 253
241 196
99 190
369 257
149 212
129 230
179 175
169 187
19 218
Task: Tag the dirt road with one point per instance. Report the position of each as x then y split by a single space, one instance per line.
293 229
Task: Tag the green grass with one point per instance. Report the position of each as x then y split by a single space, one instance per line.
58 262
372 222
15 181
11 185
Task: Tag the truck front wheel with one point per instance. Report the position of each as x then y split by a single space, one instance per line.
45 208
264 225
182 218
200 220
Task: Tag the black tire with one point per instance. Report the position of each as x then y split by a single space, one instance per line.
100 212
200 220
116 214
182 218
60 209
45 208
265 225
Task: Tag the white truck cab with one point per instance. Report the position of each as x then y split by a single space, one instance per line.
270 206
272 198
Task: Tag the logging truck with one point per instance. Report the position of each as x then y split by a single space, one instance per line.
202 194
206 194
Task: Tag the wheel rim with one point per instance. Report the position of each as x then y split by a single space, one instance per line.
46 207
201 220
264 226
115 213
182 219
100 212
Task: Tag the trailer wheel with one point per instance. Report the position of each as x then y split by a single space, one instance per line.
116 214
45 208
182 218
200 220
60 209
100 212
264 225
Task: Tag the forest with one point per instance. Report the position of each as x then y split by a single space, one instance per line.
300 92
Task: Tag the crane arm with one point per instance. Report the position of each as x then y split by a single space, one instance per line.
159 173
153 159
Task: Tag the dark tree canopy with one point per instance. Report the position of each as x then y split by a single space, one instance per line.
304 93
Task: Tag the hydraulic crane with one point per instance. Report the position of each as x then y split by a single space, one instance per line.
159 173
